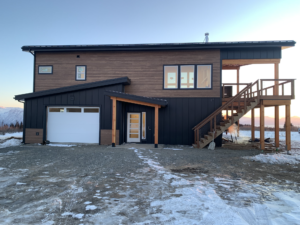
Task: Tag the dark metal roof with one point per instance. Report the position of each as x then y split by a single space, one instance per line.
159 46
122 80
156 101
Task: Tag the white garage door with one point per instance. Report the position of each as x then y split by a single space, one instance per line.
73 124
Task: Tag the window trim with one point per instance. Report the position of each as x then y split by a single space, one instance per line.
76 73
195 76
44 66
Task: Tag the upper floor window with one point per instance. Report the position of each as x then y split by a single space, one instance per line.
204 78
80 72
188 77
45 69
171 77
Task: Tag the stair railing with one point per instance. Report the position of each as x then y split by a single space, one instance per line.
246 95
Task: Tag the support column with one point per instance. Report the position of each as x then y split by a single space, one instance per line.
288 126
276 126
238 128
156 128
114 121
237 91
276 76
252 124
262 126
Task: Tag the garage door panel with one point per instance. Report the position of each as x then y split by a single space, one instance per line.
73 127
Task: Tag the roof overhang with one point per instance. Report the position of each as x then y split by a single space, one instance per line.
159 46
236 63
122 80
135 99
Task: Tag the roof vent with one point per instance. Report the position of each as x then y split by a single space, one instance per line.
206 39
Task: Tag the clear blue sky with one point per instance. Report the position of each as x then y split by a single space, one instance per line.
112 22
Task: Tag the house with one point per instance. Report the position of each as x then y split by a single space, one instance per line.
148 93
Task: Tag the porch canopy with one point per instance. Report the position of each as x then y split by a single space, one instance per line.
135 99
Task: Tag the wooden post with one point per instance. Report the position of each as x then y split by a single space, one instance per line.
156 128
237 91
276 125
114 121
276 76
262 126
252 124
238 128
288 126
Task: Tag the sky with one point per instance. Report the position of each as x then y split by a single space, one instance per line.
131 22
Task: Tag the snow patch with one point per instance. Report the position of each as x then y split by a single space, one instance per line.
10 143
19 183
61 145
9 135
175 149
87 203
281 158
90 207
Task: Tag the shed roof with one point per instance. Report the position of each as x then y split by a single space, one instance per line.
160 46
150 100
122 80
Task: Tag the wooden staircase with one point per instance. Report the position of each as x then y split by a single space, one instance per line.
237 106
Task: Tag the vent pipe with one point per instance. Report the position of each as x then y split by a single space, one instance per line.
206 38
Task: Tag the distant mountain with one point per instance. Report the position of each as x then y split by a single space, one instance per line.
10 115
269 121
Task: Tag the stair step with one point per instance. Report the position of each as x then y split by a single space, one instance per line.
207 137
211 134
223 123
202 140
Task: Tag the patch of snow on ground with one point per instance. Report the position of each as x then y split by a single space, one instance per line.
173 149
8 135
10 143
61 145
90 207
280 158
19 183
87 202
1 168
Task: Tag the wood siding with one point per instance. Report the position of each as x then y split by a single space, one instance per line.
144 68
32 137
106 137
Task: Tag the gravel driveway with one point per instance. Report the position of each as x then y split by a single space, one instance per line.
136 185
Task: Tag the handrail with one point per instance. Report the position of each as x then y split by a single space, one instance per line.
216 112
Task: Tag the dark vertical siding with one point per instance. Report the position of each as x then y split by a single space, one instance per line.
253 53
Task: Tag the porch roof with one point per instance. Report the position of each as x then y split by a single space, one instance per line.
149 100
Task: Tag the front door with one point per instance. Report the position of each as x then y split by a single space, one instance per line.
133 127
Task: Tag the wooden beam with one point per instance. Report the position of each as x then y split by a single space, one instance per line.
136 102
114 120
156 128
288 126
262 127
238 80
230 67
276 118
248 61
252 124
276 102
276 76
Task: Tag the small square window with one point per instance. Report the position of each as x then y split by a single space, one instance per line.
45 69
56 109
204 78
170 77
80 72
74 110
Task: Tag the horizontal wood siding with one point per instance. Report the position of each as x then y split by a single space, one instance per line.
106 137
35 109
144 68
32 137
252 53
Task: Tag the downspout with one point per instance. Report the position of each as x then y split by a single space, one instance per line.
33 70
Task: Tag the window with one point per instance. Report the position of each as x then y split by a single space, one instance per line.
91 110
144 125
170 77
80 72
45 69
187 76
56 109
74 110
204 78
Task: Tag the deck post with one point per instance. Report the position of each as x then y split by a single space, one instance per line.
276 76
237 91
114 119
262 126
156 128
276 125
288 126
252 125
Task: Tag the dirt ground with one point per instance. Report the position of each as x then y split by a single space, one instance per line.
136 185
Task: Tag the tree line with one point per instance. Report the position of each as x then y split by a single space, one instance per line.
11 126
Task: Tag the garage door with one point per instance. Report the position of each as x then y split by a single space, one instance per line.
73 124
